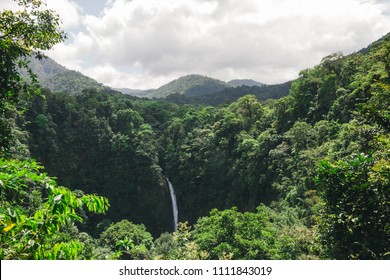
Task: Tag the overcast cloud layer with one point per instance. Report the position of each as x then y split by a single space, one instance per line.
146 43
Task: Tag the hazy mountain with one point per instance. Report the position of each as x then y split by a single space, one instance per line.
195 89
231 94
130 91
245 82
72 82
192 85
136 92
58 78
46 68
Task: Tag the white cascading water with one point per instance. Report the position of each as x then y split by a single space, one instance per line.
174 205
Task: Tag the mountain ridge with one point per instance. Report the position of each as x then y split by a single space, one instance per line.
192 84
57 77
189 89
245 82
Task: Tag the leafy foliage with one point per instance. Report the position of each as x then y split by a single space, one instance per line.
23 33
357 208
33 209
133 241
231 94
302 177
104 145
234 235
178 246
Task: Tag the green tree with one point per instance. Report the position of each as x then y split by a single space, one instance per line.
131 240
24 33
179 245
34 211
230 234
355 220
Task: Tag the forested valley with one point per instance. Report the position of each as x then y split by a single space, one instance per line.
305 176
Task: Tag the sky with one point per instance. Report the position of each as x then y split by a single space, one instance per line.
142 44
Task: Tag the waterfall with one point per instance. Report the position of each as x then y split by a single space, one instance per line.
174 205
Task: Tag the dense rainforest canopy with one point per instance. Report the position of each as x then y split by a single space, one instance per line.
306 176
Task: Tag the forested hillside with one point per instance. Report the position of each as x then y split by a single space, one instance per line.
231 94
53 76
306 176
190 89
192 85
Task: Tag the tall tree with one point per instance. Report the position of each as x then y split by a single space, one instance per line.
24 33
355 219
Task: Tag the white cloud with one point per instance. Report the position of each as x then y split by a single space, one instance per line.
145 43
68 10
8 5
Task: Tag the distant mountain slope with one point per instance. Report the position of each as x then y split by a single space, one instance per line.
136 92
130 91
46 68
245 82
58 78
72 82
192 85
231 94
190 89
